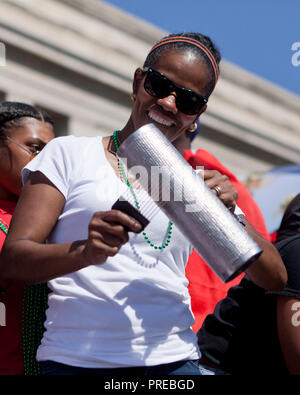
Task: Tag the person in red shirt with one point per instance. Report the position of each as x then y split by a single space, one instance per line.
24 131
205 287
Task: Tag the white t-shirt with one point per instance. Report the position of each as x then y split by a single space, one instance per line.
133 310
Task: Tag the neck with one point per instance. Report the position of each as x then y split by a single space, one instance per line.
182 144
125 132
121 136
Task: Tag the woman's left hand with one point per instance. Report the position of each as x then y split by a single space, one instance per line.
268 271
221 187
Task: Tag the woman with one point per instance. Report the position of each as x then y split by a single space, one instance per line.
24 131
107 311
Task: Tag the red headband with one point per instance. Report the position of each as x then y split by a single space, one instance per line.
189 40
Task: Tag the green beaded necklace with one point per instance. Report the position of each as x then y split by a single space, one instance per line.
4 227
137 205
34 305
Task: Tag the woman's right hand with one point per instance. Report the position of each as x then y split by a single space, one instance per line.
108 232
26 258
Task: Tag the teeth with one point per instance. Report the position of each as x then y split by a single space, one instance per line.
155 117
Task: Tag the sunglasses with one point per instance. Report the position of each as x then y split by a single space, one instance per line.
33 154
158 85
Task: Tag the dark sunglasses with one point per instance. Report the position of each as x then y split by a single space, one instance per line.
158 85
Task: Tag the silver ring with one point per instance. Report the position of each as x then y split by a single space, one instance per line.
218 190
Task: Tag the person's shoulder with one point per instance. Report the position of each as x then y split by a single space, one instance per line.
71 144
292 242
289 250
73 140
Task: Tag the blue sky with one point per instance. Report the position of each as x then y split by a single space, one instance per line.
257 35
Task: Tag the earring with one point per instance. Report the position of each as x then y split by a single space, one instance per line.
193 127
133 97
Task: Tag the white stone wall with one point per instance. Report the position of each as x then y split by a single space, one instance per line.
77 58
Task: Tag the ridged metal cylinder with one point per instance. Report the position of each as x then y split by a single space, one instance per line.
201 217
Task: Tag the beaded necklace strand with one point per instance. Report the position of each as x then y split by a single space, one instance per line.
137 205
34 305
4 227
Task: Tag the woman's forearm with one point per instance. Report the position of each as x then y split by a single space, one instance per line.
268 271
31 262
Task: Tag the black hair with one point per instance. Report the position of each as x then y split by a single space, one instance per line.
204 40
12 115
290 223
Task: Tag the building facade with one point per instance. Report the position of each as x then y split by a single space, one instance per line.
76 59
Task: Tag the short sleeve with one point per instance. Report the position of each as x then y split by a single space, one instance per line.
289 250
55 162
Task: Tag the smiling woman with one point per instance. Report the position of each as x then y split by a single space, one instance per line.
134 319
173 87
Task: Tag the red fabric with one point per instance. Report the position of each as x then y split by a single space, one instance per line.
11 357
205 287
273 237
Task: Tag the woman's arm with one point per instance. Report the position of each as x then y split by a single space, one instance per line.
288 326
268 271
26 258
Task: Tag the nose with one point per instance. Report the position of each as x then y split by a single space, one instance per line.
168 103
